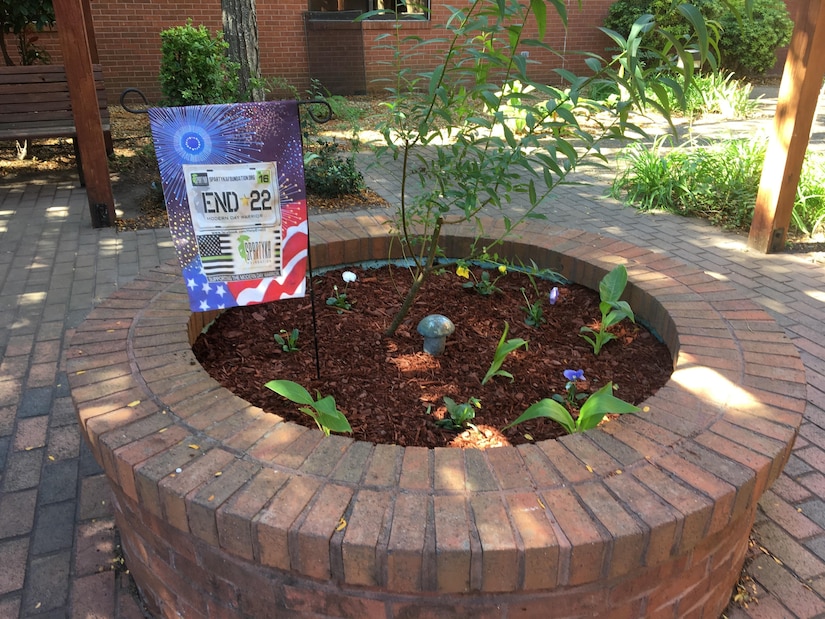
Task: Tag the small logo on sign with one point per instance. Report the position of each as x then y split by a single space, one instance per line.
199 179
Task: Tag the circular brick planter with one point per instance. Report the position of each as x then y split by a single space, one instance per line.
225 511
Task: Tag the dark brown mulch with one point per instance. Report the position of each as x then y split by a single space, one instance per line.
392 392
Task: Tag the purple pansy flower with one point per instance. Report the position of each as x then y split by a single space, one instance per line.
573 375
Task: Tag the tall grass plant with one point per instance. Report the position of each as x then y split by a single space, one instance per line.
809 209
717 181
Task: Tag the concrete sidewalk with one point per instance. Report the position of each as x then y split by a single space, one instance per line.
57 539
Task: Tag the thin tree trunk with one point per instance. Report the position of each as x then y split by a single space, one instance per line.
6 58
421 276
240 30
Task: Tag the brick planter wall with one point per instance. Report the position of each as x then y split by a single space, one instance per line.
227 512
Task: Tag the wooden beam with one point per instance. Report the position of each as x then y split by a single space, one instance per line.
795 110
77 59
90 30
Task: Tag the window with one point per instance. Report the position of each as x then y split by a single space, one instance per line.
419 8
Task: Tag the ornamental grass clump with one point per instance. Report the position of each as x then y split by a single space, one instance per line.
479 128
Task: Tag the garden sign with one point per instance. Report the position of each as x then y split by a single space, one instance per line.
233 181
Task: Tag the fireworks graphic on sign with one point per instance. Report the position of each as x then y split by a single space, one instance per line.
208 134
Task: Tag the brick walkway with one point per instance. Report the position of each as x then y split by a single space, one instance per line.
57 539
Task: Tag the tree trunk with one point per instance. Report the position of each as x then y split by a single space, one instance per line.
240 30
6 58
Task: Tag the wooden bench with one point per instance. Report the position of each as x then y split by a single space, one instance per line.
35 103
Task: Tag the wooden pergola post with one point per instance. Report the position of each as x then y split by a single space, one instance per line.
72 17
795 110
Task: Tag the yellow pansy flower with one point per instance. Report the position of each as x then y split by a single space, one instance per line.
462 271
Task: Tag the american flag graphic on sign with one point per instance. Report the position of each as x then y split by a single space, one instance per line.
216 253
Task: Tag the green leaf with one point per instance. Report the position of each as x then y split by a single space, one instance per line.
329 417
623 307
549 409
618 39
612 318
613 284
531 192
505 374
692 14
502 350
540 12
311 412
598 405
291 391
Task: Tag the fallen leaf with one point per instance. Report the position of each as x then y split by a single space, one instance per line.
133 403
341 525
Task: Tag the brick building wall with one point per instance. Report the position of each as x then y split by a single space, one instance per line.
128 40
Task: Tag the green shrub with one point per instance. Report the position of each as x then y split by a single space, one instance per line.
195 69
651 177
719 93
716 181
809 208
330 175
748 45
622 14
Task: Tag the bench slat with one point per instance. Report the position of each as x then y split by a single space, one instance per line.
41 91
34 118
35 103
15 105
